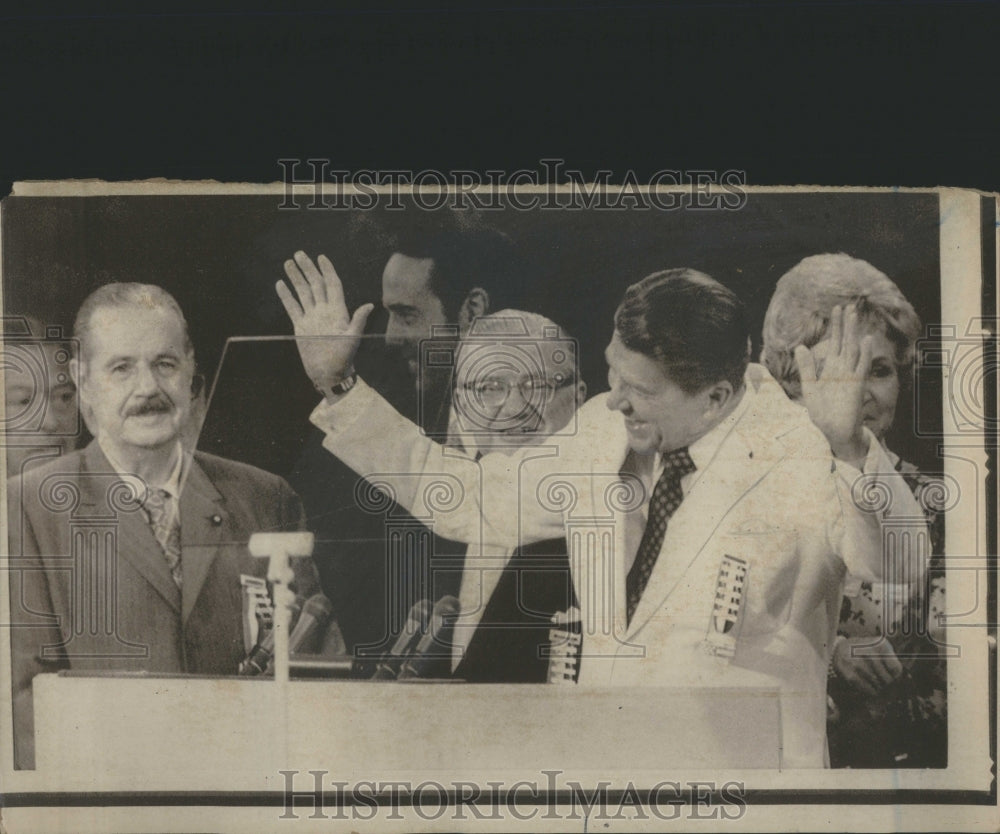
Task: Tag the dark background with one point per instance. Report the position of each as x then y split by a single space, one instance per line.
797 91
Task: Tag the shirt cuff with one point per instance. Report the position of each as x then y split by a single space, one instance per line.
334 417
852 585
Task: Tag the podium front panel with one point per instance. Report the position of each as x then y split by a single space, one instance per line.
229 734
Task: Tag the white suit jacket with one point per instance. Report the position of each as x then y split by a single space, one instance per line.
769 512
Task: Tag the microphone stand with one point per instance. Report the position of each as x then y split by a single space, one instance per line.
280 548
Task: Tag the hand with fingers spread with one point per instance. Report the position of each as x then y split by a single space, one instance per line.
867 668
318 312
833 375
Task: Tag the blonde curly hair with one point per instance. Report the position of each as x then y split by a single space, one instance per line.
804 297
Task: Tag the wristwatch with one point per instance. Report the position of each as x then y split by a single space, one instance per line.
342 387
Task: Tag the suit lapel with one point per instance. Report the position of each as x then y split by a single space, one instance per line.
136 543
203 518
738 465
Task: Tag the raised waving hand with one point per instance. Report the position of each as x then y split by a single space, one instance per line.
834 374
326 336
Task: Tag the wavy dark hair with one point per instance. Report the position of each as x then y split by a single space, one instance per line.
692 325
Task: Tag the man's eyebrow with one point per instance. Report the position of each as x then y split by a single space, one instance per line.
638 386
401 308
120 357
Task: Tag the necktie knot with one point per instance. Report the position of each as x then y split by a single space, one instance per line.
156 500
677 464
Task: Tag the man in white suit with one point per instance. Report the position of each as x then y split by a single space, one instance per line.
709 530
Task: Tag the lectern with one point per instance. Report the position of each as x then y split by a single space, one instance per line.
237 734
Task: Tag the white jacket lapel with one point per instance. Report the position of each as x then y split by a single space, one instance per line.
738 465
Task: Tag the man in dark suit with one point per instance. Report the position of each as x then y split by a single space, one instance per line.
130 555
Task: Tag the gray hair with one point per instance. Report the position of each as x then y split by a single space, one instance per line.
804 298
120 295
516 323
511 328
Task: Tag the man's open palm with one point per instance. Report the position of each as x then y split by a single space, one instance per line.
326 336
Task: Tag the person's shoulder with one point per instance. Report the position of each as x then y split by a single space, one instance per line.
597 426
774 414
595 414
28 481
223 471
770 401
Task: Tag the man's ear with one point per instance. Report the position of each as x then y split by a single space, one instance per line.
717 397
197 385
476 304
78 373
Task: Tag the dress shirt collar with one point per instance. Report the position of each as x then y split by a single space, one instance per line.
701 451
172 485
704 448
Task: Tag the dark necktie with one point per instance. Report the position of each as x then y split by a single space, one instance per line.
167 531
667 497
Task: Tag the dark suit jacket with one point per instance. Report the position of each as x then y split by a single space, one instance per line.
509 642
90 587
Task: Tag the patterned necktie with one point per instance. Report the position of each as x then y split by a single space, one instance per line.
667 497
166 530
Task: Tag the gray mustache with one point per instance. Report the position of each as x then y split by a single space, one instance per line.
152 406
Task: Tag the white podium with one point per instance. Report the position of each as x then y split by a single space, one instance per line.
237 734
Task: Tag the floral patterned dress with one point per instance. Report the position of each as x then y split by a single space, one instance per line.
906 724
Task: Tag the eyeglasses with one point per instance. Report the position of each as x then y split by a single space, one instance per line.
493 393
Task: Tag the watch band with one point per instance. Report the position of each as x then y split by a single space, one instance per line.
342 387
831 671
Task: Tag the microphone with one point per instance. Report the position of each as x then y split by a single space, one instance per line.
312 621
414 627
337 666
262 655
442 621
